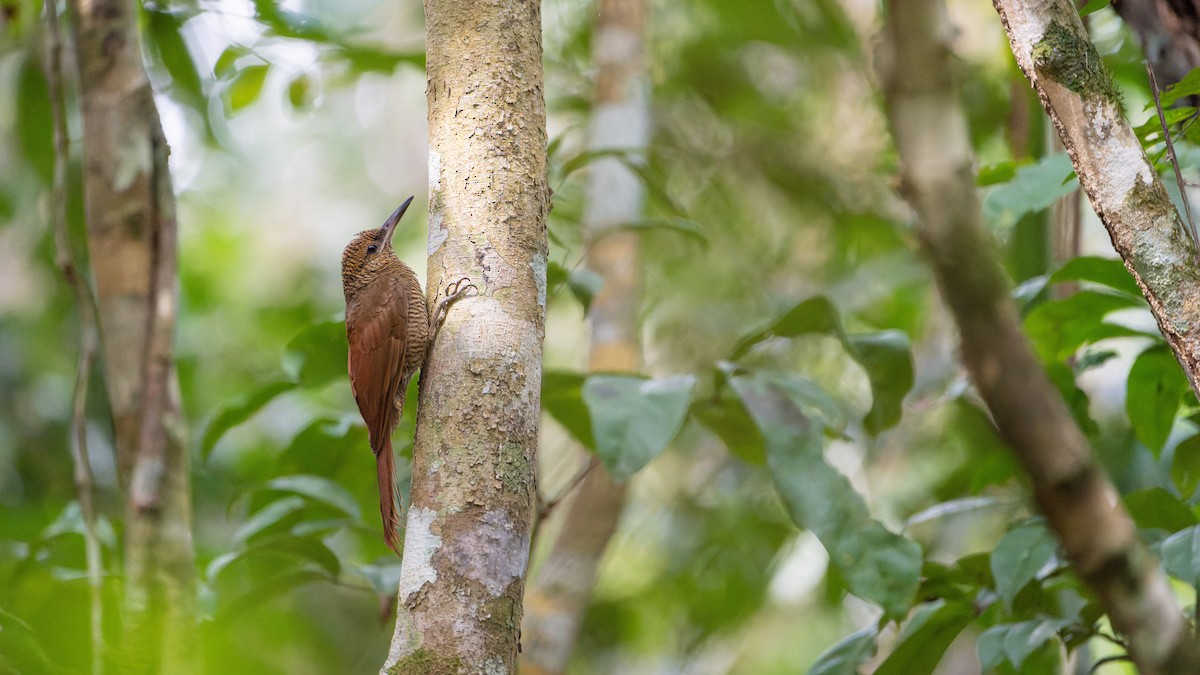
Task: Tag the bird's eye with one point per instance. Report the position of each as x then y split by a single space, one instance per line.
372 248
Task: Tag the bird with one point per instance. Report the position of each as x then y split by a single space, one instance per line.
389 329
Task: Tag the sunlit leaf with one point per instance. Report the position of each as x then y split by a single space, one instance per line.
302 92
1185 466
1181 555
246 87
1058 328
1108 272
727 418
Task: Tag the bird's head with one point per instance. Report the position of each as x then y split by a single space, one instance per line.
369 251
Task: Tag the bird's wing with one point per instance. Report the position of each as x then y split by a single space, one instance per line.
377 328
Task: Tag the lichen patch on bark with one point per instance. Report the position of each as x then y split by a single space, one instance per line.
420 543
1070 59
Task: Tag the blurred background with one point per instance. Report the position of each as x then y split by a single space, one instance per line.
769 180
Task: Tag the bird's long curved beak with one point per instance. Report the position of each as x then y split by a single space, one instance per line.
389 227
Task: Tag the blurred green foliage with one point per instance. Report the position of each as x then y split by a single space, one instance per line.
803 381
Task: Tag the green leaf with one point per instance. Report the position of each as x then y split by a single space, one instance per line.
1019 557
1093 6
729 420
1034 188
317 355
246 87
562 398
1188 86
226 62
1155 388
318 489
1108 272
679 225
845 657
584 285
878 565
1185 466
302 92
166 45
239 410
1155 508
1181 555
1060 327
272 517
885 356
925 638
634 418
1015 641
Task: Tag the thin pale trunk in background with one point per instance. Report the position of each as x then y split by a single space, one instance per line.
466 544
85 306
1079 502
1053 50
131 229
560 593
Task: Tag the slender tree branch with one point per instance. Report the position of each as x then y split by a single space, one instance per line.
85 306
1190 229
1081 505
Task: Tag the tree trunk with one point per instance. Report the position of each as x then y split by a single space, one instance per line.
1080 504
473 489
560 593
1052 49
131 227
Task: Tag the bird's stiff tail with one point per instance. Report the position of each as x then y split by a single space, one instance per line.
385 467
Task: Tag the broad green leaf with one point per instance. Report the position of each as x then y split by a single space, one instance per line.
584 285
165 43
877 564
1181 555
1108 272
383 578
22 647
1015 642
885 356
1185 466
271 517
728 419
925 638
1155 388
1019 557
318 489
845 657
1060 327
239 410
246 86
1034 187
1155 508
562 398
1188 86
317 356
634 418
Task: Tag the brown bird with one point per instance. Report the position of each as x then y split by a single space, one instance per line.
390 329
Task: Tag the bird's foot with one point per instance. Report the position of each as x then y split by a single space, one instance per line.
454 292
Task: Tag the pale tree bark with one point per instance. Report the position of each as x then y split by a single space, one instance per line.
1052 49
131 228
560 593
466 544
1079 502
